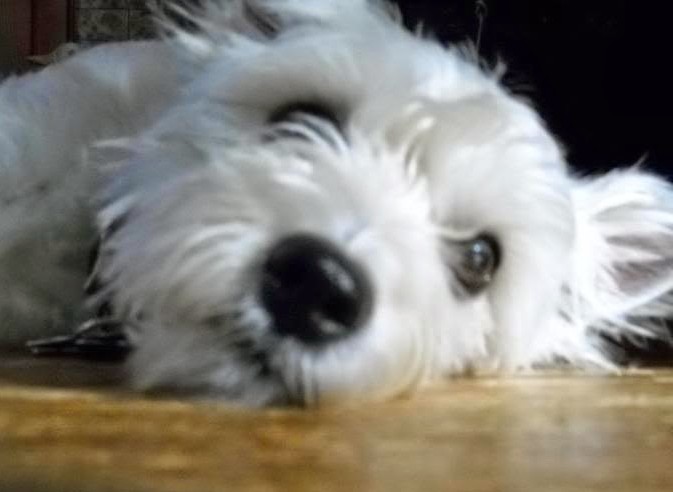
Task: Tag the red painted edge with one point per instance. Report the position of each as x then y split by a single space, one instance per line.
51 20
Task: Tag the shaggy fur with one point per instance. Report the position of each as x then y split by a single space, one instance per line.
172 146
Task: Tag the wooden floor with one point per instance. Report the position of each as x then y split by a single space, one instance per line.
63 429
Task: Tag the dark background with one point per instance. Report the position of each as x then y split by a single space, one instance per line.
597 70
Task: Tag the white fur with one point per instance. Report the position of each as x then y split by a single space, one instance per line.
436 151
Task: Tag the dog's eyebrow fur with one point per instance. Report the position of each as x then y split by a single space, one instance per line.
264 22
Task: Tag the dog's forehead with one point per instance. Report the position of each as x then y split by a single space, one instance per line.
484 156
360 65
385 80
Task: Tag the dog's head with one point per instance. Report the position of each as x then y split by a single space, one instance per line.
339 209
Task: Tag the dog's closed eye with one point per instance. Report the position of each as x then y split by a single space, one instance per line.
306 120
296 109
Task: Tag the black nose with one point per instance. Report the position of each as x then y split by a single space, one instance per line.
313 291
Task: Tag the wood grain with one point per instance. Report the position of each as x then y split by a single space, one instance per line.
63 427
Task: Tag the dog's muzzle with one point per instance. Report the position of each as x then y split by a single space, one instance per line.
313 291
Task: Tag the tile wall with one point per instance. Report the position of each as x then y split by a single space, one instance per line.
112 20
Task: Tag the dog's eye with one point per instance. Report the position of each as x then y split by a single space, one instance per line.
479 260
305 120
300 109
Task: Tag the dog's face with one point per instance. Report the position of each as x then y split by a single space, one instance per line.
338 209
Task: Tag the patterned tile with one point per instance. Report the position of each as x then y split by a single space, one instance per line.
103 4
141 25
138 4
98 25
114 20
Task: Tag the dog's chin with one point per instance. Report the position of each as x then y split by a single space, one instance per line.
206 366
238 358
251 365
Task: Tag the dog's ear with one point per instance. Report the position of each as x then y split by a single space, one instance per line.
621 283
206 27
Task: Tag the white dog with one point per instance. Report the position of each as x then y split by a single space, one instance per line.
299 201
